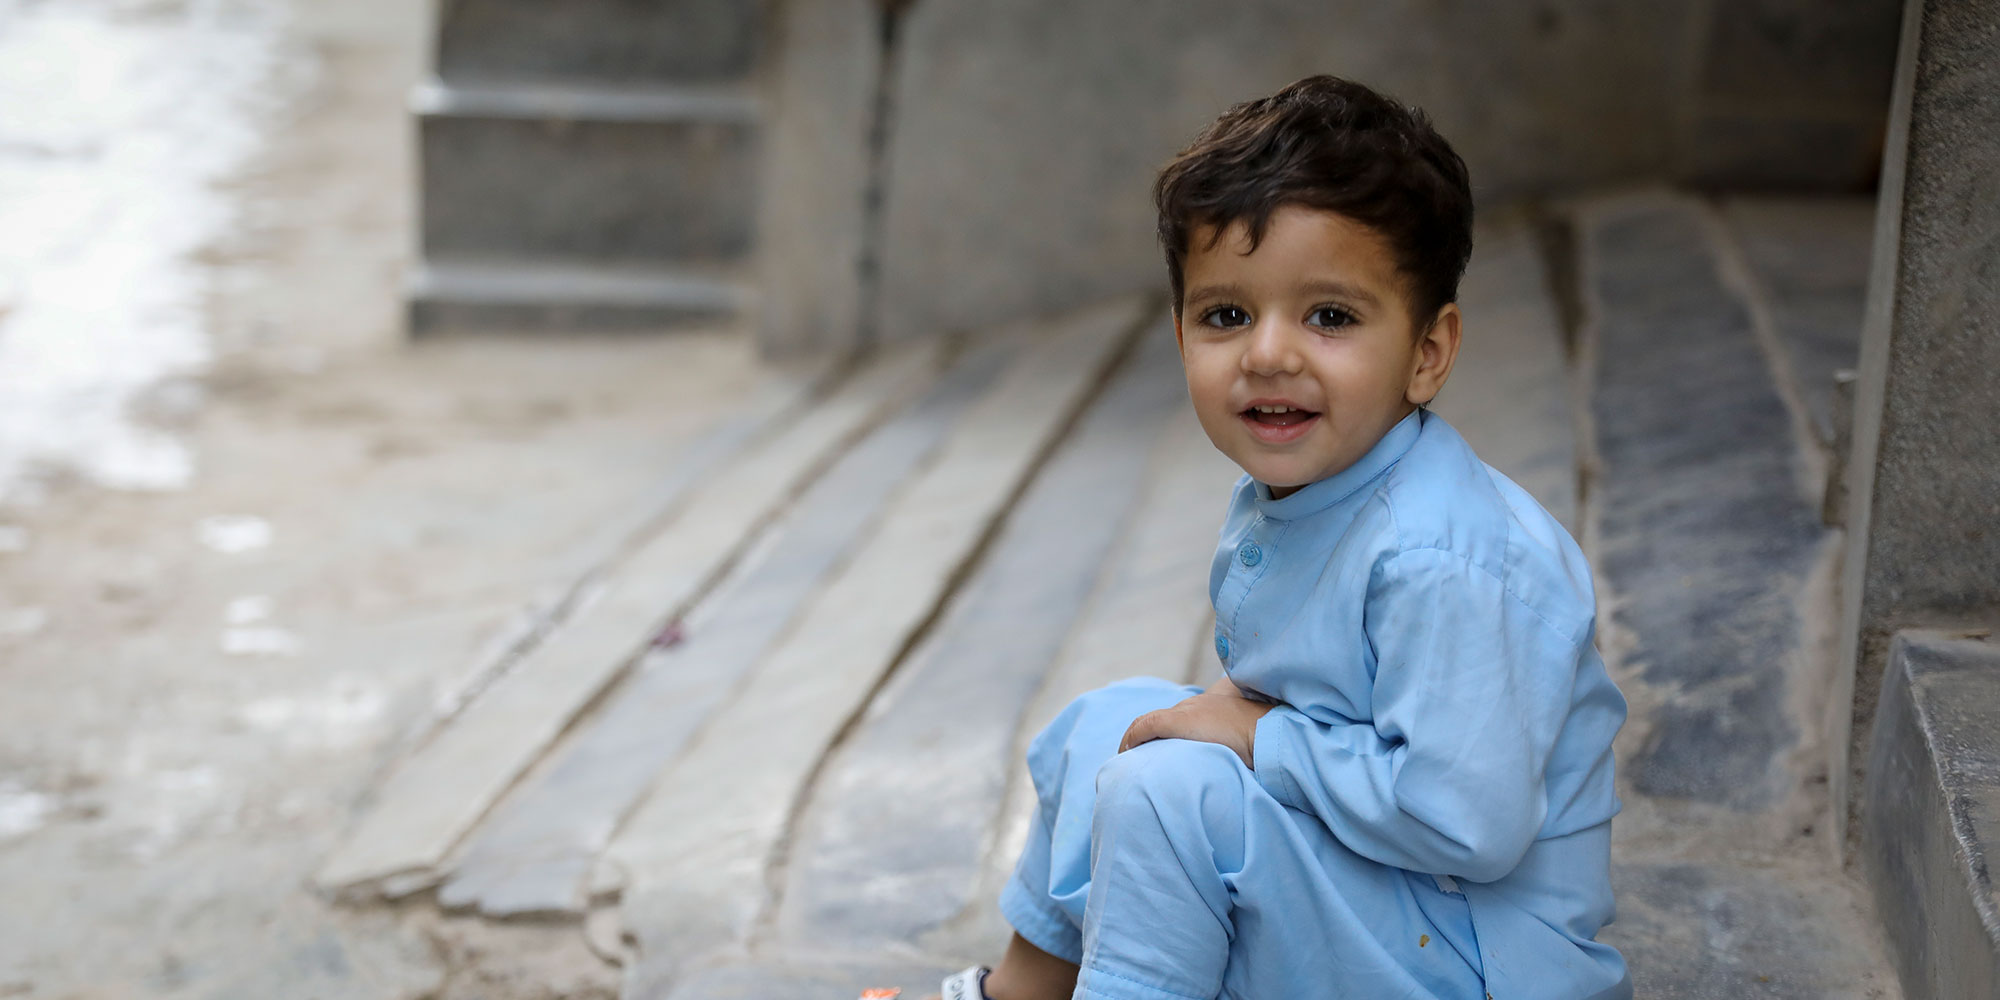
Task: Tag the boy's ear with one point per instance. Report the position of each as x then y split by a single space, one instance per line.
1437 349
1178 342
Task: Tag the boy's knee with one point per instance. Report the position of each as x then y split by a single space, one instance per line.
1129 698
1101 716
1177 783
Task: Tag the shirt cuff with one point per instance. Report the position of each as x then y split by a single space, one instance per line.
1273 757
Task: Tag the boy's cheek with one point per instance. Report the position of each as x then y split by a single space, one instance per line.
1209 393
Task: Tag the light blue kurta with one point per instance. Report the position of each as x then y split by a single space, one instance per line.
1430 810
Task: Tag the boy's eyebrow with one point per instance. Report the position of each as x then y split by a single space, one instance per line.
1342 289
1221 291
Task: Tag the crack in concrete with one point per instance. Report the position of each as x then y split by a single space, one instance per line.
875 189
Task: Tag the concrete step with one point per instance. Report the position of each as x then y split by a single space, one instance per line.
432 799
1930 814
691 863
534 854
609 41
746 870
1807 260
1509 390
889 852
1702 927
1150 614
1714 575
1708 530
617 174
448 295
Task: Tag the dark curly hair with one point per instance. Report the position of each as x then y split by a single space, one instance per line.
1331 144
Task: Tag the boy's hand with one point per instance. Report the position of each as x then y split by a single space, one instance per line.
1219 715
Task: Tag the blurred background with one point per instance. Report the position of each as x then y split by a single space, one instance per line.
371 373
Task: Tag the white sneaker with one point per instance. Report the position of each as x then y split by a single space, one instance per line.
967 985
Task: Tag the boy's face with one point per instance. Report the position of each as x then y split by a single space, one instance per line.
1301 354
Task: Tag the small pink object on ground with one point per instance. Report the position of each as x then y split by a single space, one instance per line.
670 635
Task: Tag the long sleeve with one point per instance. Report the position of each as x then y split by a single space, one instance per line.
1470 693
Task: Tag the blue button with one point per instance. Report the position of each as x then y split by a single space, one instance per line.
1221 646
1250 553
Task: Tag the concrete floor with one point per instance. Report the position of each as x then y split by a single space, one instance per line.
201 679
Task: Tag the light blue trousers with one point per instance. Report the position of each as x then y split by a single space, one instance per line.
1168 873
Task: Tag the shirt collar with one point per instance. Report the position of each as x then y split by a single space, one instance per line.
1318 496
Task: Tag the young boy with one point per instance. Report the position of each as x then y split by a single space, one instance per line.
1402 784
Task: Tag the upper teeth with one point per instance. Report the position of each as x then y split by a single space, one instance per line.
1274 409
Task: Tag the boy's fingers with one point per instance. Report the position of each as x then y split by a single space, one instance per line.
1140 731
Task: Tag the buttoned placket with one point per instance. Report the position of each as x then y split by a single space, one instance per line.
1247 565
1256 551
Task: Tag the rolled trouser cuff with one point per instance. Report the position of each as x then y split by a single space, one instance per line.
1097 984
1040 921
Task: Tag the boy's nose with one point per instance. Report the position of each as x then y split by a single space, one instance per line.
1272 350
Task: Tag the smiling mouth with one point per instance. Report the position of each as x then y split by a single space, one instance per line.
1277 416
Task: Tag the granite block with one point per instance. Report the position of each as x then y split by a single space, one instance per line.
1705 537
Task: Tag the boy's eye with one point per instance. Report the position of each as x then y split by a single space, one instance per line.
1331 317
1226 316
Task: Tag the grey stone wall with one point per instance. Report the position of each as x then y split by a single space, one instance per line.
1790 94
597 41
1026 132
818 169
1924 474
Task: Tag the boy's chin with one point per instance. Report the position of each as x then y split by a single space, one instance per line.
1280 478
1281 470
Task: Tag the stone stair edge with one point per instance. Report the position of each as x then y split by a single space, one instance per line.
680 889
522 281
1930 806
868 821
606 102
417 816
529 856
